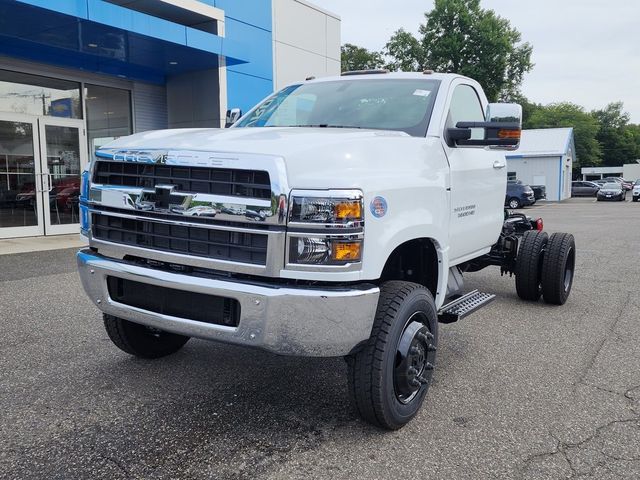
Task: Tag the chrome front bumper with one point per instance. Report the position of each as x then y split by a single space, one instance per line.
286 320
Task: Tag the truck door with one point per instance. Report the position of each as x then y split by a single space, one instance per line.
478 179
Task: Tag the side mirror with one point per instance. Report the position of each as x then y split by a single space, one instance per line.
502 128
233 116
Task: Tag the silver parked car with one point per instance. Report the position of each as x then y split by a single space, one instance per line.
584 189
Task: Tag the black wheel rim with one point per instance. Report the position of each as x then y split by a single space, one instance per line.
568 270
415 358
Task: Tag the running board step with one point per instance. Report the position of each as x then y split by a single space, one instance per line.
464 306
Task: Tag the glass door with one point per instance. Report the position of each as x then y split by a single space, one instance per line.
21 179
63 156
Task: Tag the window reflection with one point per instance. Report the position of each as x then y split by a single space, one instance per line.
36 95
108 114
17 175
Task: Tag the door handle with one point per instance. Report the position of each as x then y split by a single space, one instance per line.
42 175
498 164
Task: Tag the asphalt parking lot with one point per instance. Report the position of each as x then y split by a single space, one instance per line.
520 391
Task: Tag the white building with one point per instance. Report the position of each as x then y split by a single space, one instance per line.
545 157
631 171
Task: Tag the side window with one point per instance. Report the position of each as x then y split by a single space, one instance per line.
465 107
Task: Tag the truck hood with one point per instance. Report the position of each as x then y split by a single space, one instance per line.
279 141
314 157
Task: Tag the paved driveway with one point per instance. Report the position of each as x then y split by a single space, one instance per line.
521 390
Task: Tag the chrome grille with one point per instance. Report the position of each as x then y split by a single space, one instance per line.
187 179
193 240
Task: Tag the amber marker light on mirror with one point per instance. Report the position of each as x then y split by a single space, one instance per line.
505 133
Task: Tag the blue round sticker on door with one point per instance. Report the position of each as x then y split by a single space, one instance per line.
378 207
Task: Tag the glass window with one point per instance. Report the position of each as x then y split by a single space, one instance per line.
382 104
36 95
108 114
512 176
17 175
466 107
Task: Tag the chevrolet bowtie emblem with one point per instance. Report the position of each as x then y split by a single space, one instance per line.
163 196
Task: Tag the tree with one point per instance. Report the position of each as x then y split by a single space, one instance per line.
461 37
585 129
405 51
617 140
527 107
358 58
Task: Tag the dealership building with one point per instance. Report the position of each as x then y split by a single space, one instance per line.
75 74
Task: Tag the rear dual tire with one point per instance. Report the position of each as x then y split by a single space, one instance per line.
558 267
529 265
545 267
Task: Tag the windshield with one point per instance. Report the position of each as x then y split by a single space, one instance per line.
380 104
611 186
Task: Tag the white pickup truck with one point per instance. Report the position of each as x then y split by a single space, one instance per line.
340 216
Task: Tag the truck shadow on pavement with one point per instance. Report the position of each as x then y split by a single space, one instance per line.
210 410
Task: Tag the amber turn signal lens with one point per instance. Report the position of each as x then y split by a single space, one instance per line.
343 251
508 133
349 210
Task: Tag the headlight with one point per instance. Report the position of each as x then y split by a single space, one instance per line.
325 229
334 207
324 251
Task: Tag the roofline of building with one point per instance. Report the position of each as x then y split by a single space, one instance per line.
320 9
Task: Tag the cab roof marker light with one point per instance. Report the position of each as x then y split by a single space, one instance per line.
364 72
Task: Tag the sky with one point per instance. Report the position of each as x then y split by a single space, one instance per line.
585 51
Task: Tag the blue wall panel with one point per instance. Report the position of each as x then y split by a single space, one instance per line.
244 91
249 22
253 12
77 8
118 17
257 47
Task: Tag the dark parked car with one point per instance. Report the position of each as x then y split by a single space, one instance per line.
539 192
612 191
519 195
584 189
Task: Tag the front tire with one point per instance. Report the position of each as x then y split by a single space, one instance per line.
558 267
389 377
529 265
142 341
514 203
